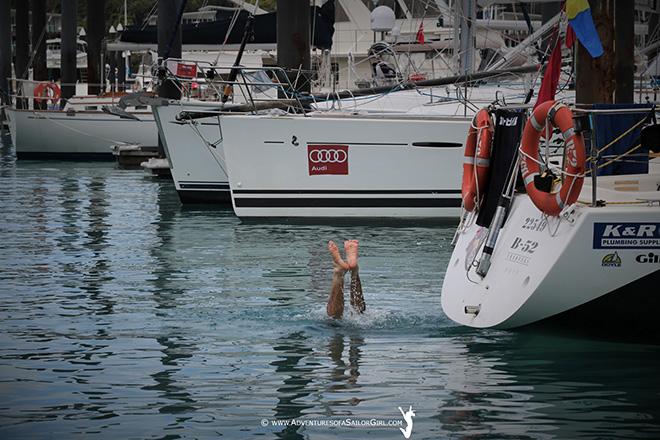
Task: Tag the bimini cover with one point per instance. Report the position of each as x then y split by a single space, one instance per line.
608 127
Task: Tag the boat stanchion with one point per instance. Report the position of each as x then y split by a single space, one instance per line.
585 123
593 147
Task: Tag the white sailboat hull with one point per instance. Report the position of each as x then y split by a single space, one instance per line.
79 134
194 151
605 259
344 165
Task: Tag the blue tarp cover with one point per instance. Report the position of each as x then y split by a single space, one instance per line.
607 127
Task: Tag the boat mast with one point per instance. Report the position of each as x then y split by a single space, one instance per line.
464 19
468 16
457 29
233 74
523 45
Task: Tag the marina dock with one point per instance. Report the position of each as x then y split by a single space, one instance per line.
172 175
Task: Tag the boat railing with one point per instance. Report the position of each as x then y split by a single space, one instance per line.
252 86
600 152
27 95
598 156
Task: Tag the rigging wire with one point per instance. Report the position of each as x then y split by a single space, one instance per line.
35 47
145 22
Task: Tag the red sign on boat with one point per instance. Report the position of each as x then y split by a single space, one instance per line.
186 70
327 159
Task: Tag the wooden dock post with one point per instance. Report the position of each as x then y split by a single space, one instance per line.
609 78
5 51
39 36
68 60
293 41
95 31
169 41
169 46
624 50
22 50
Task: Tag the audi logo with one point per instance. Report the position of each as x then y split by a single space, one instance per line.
328 156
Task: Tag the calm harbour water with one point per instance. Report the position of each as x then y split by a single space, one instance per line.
124 315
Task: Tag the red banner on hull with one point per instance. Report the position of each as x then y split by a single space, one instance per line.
327 159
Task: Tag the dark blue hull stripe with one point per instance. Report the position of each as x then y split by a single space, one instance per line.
205 197
255 202
347 191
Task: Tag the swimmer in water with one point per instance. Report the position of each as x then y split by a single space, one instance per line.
335 306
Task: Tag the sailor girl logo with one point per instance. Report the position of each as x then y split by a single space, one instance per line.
327 159
611 260
408 417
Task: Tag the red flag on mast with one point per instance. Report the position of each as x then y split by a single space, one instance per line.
550 77
420 33
570 36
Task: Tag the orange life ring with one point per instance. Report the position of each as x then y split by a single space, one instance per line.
560 117
477 159
47 91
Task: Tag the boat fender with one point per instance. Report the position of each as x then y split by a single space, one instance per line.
47 91
561 117
476 160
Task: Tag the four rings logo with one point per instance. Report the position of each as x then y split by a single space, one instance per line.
327 159
328 156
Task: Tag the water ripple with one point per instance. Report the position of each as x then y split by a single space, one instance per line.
125 315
